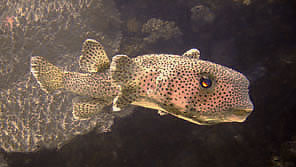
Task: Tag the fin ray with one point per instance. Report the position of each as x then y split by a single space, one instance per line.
49 76
192 53
122 69
87 108
94 57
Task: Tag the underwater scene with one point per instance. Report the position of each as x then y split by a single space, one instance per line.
166 83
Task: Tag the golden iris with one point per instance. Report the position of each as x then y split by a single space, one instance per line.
205 82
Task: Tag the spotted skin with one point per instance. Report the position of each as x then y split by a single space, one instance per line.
95 85
169 83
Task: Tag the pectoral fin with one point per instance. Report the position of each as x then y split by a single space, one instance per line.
94 57
161 113
122 70
126 96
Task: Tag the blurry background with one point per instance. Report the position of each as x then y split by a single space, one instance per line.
255 37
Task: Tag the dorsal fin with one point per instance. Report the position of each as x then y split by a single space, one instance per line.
94 57
192 53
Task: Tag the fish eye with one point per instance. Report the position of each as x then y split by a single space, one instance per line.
205 82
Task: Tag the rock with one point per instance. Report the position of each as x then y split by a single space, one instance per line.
52 30
201 16
29 118
159 29
243 2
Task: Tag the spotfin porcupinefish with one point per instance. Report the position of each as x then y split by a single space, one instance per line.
184 86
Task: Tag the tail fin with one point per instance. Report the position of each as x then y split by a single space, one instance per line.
49 76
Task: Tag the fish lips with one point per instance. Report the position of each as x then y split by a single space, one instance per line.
239 114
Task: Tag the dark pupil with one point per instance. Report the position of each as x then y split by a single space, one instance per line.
205 82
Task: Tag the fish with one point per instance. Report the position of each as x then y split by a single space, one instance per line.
195 90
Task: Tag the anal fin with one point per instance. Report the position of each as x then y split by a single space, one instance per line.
87 108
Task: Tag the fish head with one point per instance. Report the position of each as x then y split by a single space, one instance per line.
205 93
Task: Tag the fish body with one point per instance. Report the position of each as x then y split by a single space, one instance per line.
195 90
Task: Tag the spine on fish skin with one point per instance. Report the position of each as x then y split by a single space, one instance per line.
49 76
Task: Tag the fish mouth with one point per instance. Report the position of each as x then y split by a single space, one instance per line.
239 114
246 110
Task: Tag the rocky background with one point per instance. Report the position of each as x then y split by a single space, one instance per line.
256 37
